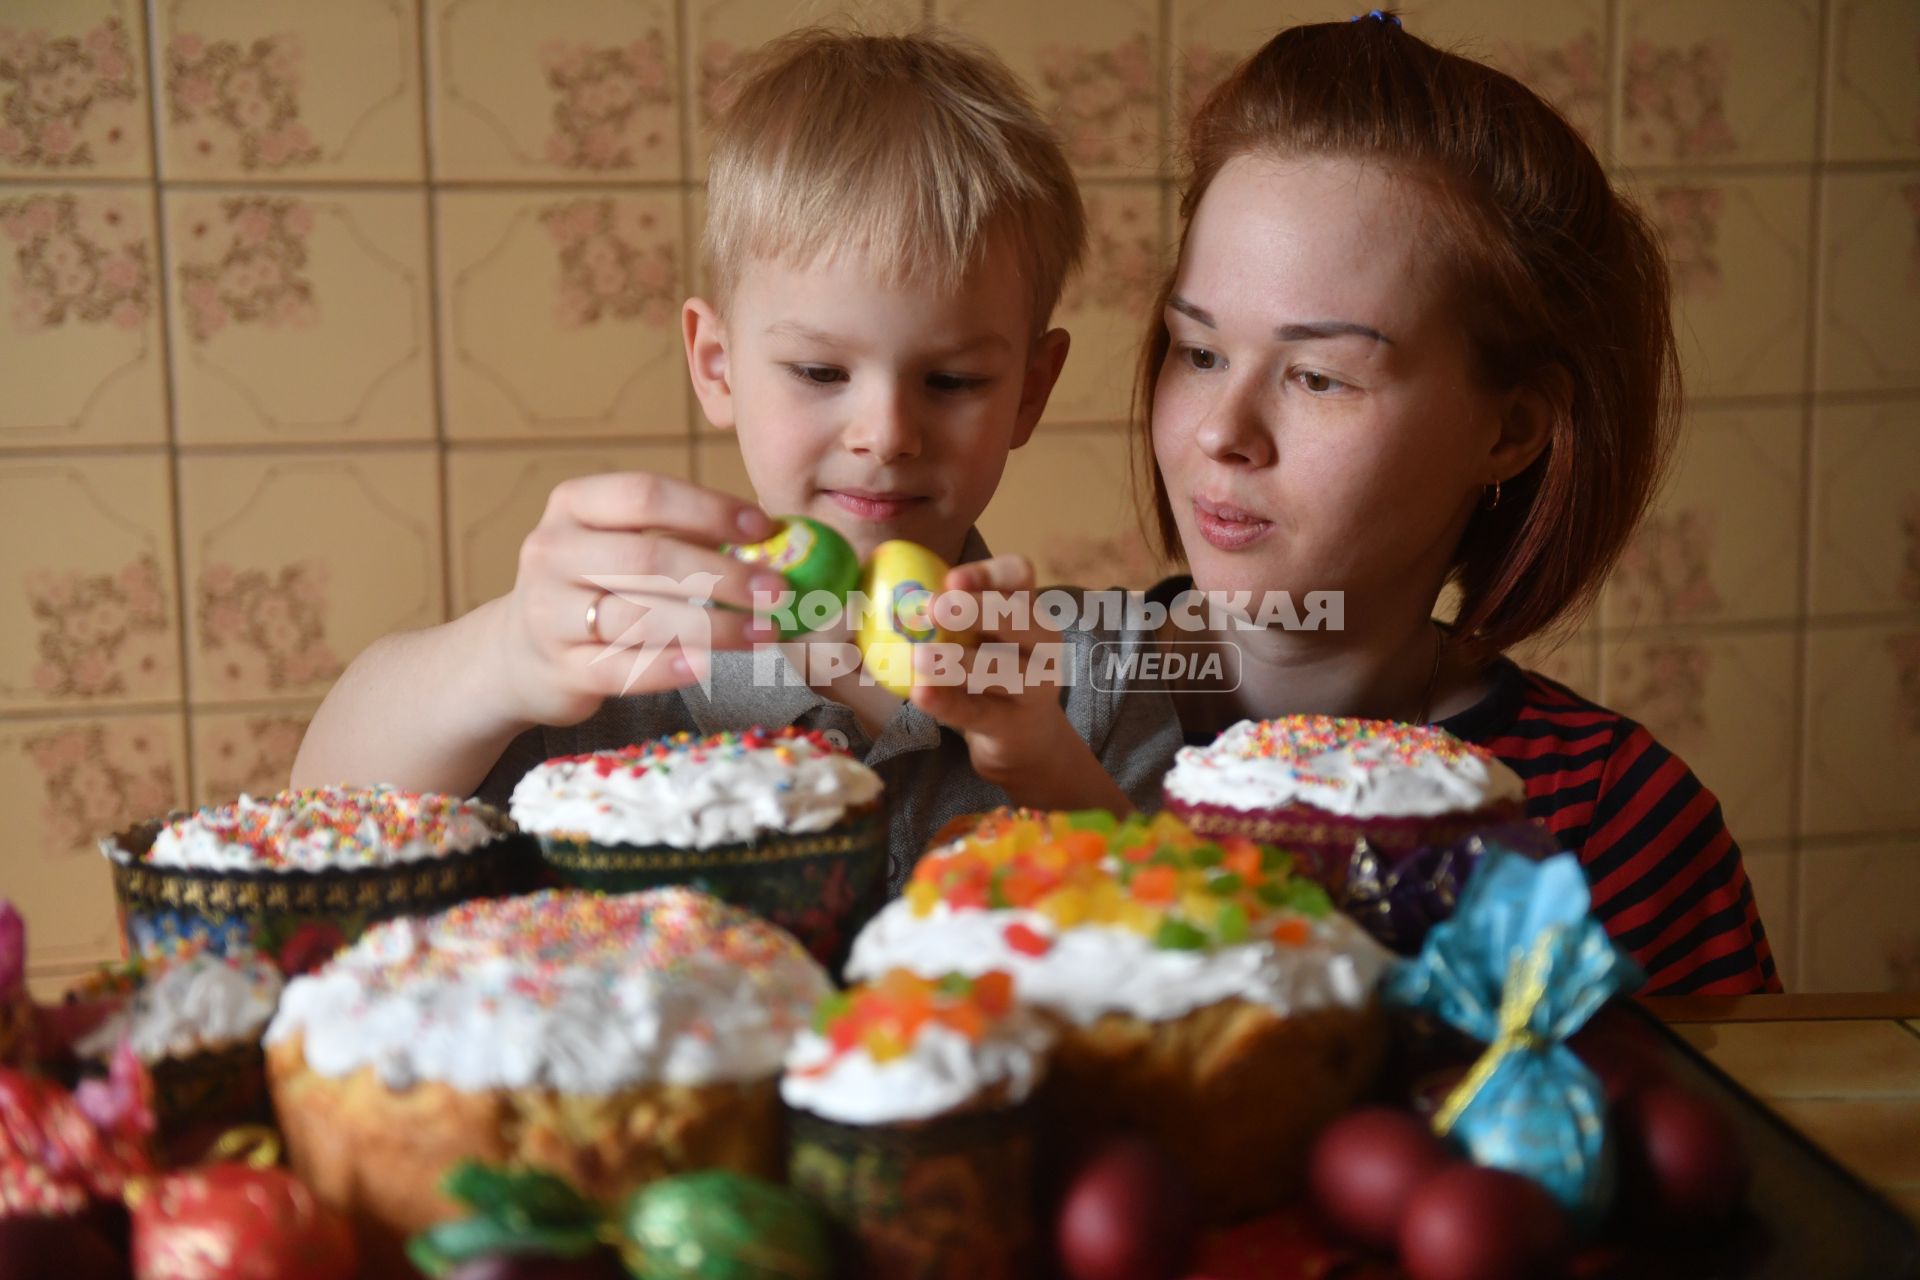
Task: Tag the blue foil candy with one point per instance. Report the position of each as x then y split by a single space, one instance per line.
1522 965
1398 899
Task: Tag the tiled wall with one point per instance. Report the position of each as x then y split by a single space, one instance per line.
307 306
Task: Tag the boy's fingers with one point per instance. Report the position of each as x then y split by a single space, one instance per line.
998 573
642 500
635 650
651 564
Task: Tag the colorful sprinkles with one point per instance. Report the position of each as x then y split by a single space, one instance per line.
662 754
1153 876
557 938
341 826
1299 742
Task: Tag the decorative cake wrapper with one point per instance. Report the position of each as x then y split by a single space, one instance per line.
821 887
299 918
943 1199
1521 966
1399 897
1324 844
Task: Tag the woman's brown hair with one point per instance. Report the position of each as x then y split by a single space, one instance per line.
1558 280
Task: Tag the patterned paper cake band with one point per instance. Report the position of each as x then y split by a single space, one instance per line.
821 887
299 918
1399 898
1324 842
947 1197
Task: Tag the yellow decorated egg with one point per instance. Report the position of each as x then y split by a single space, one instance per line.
899 582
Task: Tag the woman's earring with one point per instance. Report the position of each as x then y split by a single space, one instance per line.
1495 500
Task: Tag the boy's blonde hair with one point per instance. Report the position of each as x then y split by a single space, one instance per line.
910 150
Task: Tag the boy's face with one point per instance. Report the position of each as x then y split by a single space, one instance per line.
886 411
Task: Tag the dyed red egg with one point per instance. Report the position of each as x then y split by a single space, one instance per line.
36 1248
1470 1223
1624 1061
1365 1167
1127 1215
1681 1159
233 1222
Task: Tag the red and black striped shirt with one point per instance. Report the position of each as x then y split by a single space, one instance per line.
1665 873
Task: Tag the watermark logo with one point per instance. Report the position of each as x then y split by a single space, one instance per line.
918 615
1191 666
664 623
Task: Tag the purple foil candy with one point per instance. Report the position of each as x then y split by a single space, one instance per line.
13 951
1398 900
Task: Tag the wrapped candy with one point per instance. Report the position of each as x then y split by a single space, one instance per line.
238 1220
1522 965
61 1152
1398 898
16 1007
716 1225
514 1212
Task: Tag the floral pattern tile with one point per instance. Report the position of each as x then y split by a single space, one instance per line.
72 89
1105 306
1725 704
254 92
560 313
1856 917
1093 65
582 92
300 317
1866 508
65 783
82 355
1873 80
87 609
1863 728
1715 547
1870 290
723 34
1717 81
1738 251
496 496
295 562
1084 534
249 753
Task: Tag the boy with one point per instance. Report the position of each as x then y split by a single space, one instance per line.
890 224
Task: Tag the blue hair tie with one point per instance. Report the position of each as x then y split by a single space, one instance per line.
1377 16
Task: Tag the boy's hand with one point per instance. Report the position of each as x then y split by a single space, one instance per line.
1020 740
657 541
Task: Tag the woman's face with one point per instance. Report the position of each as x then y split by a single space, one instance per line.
1316 421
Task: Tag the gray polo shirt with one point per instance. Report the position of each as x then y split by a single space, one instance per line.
929 778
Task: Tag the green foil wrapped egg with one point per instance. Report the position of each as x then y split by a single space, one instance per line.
813 557
717 1225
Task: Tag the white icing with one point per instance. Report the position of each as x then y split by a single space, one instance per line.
320 829
201 1003
668 986
1093 970
696 798
1363 777
941 1071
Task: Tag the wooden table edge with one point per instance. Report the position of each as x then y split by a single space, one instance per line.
1809 1007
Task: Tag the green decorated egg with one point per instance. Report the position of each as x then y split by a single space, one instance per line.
716 1225
813 557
